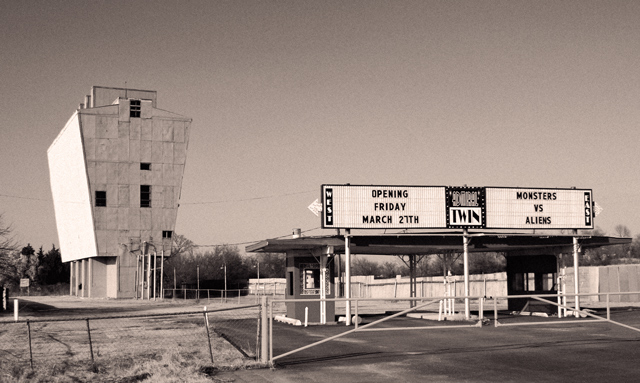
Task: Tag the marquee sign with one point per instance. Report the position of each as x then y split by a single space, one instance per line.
383 207
518 208
440 207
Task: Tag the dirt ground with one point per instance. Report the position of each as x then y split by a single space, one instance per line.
584 351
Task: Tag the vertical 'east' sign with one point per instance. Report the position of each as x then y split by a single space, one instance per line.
519 208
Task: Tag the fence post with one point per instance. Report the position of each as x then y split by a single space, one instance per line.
90 344
206 323
264 331
258 338
30 352
495 311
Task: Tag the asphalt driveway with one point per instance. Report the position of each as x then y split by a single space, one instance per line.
558 352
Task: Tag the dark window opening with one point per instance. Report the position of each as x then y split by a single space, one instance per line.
290 280
167 234
145 166
134 108
101 198
145 195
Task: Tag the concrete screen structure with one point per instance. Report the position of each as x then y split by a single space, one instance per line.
116 173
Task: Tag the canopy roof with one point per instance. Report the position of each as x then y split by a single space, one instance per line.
406 244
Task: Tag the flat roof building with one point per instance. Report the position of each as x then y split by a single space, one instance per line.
116 173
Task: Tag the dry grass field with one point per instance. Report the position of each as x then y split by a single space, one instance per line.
131 340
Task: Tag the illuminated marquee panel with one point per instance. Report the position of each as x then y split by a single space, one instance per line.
383 207
516 208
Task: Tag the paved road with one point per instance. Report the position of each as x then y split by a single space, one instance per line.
583 352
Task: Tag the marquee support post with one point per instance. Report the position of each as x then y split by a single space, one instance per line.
465 245
347 286
576 273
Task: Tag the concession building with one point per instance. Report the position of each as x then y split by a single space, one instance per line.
116 171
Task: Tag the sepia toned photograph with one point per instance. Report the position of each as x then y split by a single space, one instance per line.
319 191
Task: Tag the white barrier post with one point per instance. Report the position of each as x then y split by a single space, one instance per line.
576 273
347 290
15 310
465 246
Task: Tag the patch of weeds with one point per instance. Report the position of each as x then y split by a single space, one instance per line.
59 368
15 370
208 370
151 356
183 359
135 378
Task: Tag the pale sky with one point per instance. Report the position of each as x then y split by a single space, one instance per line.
288 95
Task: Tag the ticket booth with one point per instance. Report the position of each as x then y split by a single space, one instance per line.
531 275
310 275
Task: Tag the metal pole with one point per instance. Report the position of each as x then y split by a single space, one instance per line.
71 278
141 278
324 280
155 271
75 284
206 323
83 279
90 344
465 244
412 279
31 348
264 331
347 287
576 274
225 282
162 275
148 275
138 278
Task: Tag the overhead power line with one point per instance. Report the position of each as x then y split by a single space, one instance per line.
248 242
21 197
181 203
248 199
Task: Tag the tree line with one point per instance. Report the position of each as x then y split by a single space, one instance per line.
190 264
42 268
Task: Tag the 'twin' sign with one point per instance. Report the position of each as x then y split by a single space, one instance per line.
465 216
465 207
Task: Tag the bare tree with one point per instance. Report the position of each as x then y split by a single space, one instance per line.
622 231
182 245
363 266
8 272
448 261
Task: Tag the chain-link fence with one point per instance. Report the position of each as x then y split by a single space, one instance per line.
216 295
220 338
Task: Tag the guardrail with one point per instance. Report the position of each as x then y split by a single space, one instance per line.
564 306
419 303
368 327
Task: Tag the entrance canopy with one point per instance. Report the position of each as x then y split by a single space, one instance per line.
414 245
435 243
